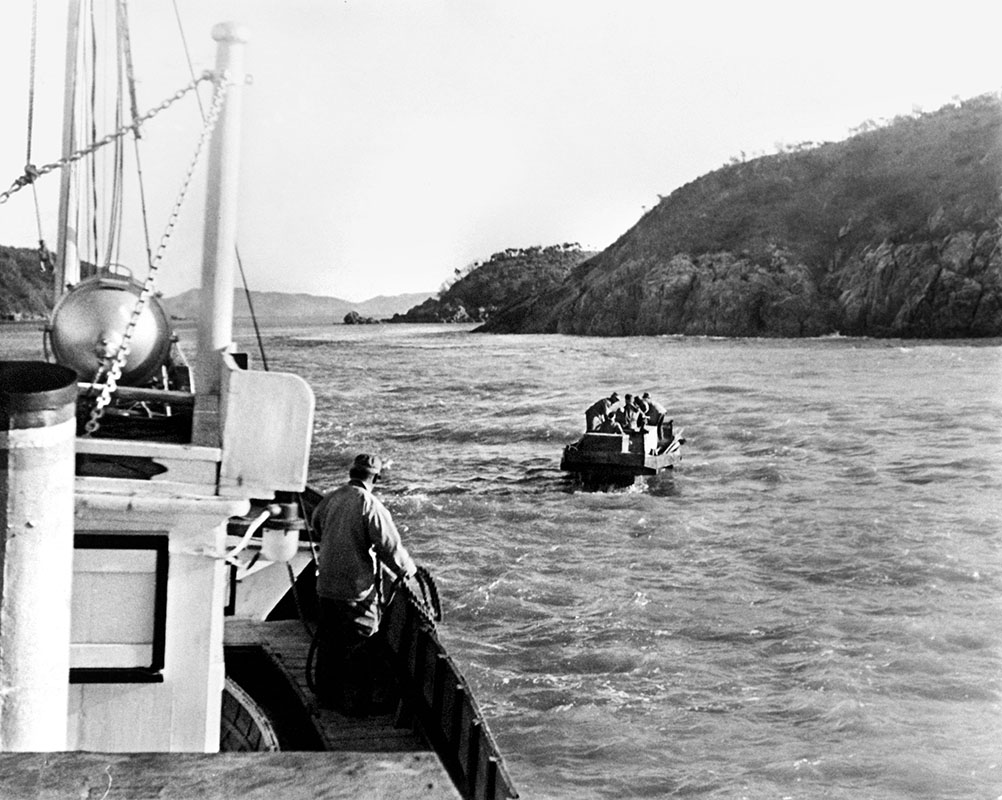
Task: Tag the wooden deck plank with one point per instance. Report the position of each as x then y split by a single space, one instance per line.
288 642
223 776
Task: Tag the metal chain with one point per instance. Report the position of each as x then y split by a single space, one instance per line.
31 172
114 372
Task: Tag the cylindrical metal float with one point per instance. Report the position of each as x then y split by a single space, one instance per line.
37 437
90 321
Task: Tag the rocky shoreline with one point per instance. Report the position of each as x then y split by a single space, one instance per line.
950 288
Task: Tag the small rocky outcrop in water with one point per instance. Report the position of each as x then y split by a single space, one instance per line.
354 318
893 232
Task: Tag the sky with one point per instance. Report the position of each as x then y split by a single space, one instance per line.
388 143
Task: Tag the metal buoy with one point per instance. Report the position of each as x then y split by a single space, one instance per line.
89 323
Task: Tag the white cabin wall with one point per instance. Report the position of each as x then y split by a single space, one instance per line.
182 713
116 717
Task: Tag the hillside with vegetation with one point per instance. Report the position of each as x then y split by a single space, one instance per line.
509 277
892 232
25 286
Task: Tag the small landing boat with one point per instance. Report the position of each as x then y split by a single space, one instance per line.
611 460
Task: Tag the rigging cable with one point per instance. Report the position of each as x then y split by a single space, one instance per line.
125 44
24 180
115 204
30 173
250 306
92 117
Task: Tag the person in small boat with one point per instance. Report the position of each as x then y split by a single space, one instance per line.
599 410
609 425
357 540
656 413
629 416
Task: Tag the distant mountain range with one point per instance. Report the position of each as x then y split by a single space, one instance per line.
303 307
26 293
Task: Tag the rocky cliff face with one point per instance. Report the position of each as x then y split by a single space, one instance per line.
950 287
712 294
895 233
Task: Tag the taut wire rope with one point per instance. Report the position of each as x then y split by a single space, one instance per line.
44 256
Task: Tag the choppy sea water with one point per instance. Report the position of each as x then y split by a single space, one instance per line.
808 607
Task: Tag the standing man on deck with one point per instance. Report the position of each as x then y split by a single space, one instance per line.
599 410
656 414
357 539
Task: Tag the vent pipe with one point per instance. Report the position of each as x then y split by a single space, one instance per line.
37 444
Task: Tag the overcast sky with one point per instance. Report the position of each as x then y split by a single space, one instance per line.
390 142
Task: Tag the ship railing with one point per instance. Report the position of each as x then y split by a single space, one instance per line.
447 709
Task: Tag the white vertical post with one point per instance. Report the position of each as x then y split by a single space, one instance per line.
215 329
37 442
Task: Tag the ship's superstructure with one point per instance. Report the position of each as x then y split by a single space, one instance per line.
159 471
146 500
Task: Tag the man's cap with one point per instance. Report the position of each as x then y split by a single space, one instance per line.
613 396
646 395
363 462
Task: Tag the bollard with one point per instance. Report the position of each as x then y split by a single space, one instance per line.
37 438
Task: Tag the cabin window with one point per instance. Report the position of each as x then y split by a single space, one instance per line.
118 619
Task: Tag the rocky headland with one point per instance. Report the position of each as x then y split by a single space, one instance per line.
893 232
482 289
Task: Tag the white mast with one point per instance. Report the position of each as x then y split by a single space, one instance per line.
215 329
67 256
